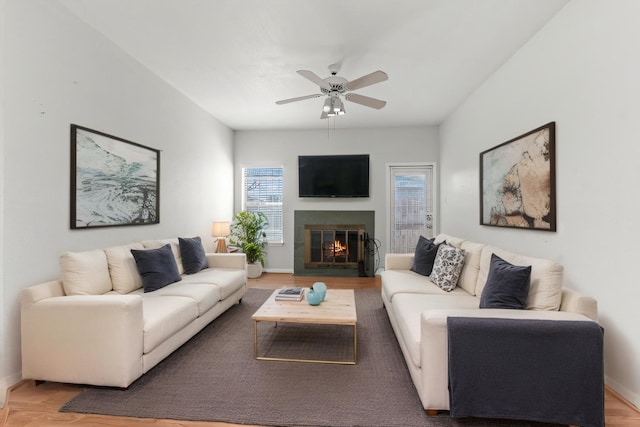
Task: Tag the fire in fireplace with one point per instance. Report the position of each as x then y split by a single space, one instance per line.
333 245
335 249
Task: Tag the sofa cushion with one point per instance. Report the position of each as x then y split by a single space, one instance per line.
229 280
205 295
85 273
507 285
424 256
545 289
163 316
122 268
404 281
157 267
471 267
447 267
175 248
192 253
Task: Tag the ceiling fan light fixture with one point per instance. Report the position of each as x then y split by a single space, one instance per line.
337 105
327 105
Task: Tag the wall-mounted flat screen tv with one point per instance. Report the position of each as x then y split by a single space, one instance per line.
333 176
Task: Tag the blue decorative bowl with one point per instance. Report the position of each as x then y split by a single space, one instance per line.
313 297
321 288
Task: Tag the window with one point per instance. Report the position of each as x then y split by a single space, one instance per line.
262 192
411 207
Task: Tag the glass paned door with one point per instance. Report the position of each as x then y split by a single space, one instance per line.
411 207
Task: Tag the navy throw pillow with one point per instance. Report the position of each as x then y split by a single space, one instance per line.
157 267
192 252
425 256
507 285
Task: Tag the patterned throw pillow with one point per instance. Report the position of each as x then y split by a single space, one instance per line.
447 267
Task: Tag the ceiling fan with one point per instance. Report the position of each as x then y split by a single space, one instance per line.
335 86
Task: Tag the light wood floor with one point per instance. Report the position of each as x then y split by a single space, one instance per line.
31 405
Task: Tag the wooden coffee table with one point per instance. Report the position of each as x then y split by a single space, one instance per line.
338 308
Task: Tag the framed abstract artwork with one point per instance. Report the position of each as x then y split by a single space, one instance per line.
517 181
114 182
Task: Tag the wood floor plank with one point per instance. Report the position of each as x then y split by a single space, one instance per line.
36 406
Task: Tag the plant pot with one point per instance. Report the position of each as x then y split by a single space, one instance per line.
254 270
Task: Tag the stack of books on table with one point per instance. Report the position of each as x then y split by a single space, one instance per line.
290 294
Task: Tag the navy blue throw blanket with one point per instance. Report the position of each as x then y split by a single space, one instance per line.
535 370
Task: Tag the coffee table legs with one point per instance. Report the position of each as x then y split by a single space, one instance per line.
256 353
355 344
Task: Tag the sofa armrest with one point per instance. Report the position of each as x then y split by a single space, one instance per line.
398 261
85 339
237 261
576 302
435 345
45 290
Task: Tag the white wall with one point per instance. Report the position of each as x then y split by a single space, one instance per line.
281 148
57 71
581 71
3 349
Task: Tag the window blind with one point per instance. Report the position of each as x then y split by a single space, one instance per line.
263 192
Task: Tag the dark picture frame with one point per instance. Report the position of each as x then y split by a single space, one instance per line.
518 181
114 182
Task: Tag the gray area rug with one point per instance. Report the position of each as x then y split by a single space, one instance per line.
214 377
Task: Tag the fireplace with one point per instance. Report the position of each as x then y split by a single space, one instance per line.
333 245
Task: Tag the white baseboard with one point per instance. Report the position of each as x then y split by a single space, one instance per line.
278 270
625 393
7 382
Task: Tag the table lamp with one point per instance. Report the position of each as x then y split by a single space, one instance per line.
220 230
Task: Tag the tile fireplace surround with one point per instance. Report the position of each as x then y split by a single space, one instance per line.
365 221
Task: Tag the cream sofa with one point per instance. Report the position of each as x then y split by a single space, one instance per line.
418 309
97 326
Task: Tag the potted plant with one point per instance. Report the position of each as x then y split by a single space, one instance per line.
248 233
254 253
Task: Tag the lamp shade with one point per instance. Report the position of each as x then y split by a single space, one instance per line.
327 105
220 229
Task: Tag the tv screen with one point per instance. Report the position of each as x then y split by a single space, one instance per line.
333 176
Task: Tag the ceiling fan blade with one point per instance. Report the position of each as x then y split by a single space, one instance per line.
310 75
365 100
300 98
368 80
324 115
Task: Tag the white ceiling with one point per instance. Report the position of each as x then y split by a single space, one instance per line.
235 58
